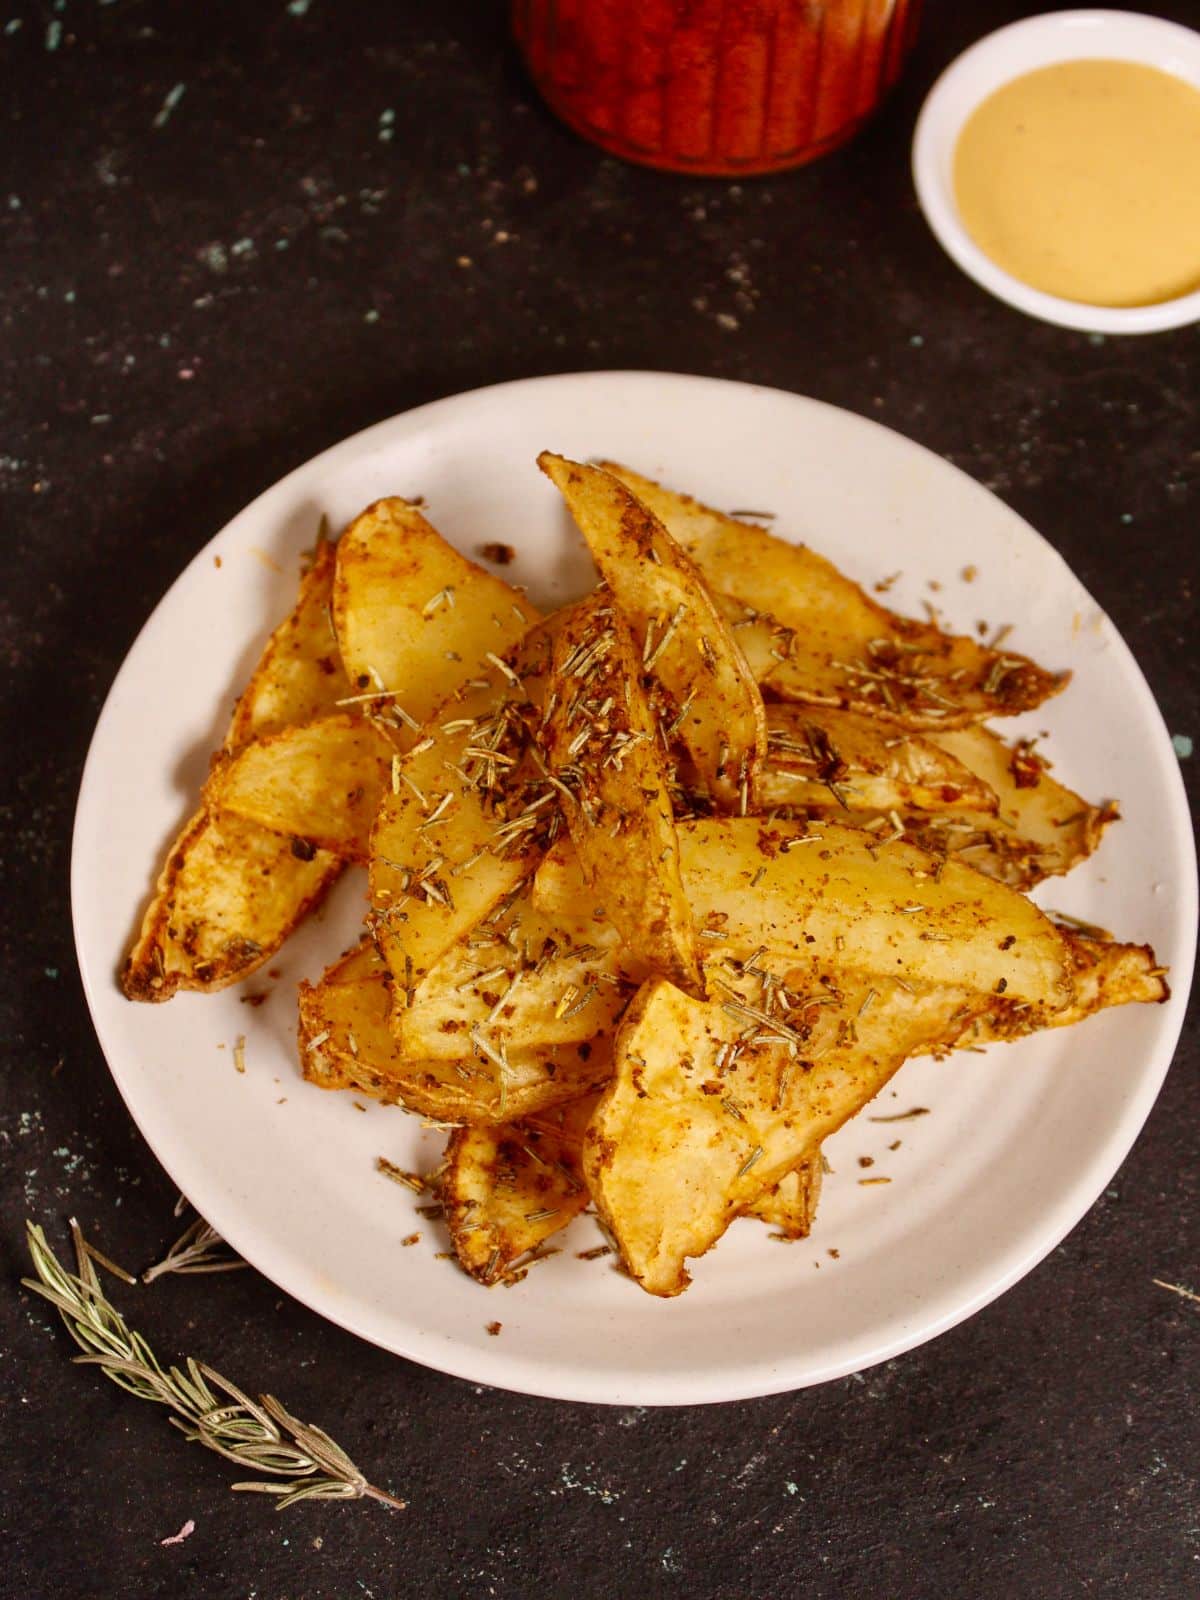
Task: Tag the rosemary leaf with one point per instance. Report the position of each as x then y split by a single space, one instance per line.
260 1434
199 1248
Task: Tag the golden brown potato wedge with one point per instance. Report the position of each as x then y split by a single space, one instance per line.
507 1189
299 675
1042 829
465 818
414 618
229 893
321 782
679 629
338 1016
228 896
346 1038
810 634
822 758
525 979
696 1124
839 897
1104 973
601 747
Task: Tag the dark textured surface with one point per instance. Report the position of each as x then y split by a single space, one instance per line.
199 293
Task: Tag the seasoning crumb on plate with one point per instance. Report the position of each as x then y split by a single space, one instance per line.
500 555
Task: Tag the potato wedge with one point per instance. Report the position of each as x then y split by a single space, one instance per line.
299 675
601 747
822 758
681 633
791 1206
414 618
838 897
527 979
812 635
1104 973
507 1189
466 816
351 996
346 1039
1042 829
229 894
689 1134
321 783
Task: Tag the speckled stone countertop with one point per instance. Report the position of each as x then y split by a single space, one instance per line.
233 234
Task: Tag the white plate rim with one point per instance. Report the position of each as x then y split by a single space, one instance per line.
507 1370
995 60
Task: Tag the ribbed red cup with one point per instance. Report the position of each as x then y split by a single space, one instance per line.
722 87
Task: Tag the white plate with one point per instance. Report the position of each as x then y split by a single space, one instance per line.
995 60
1020 1142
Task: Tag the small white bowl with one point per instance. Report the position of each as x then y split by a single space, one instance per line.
997 59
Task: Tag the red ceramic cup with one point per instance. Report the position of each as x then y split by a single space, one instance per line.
721 87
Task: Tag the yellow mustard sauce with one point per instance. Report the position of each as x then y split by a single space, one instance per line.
1083 180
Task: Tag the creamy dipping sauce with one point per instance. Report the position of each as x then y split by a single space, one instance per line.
1083 180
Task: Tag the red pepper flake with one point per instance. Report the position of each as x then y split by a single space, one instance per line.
494 1328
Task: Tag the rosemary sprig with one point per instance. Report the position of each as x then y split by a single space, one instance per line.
199 1248
260 1435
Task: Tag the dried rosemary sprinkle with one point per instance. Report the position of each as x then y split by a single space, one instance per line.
903 1116
410 1180
754 1156
258 1434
